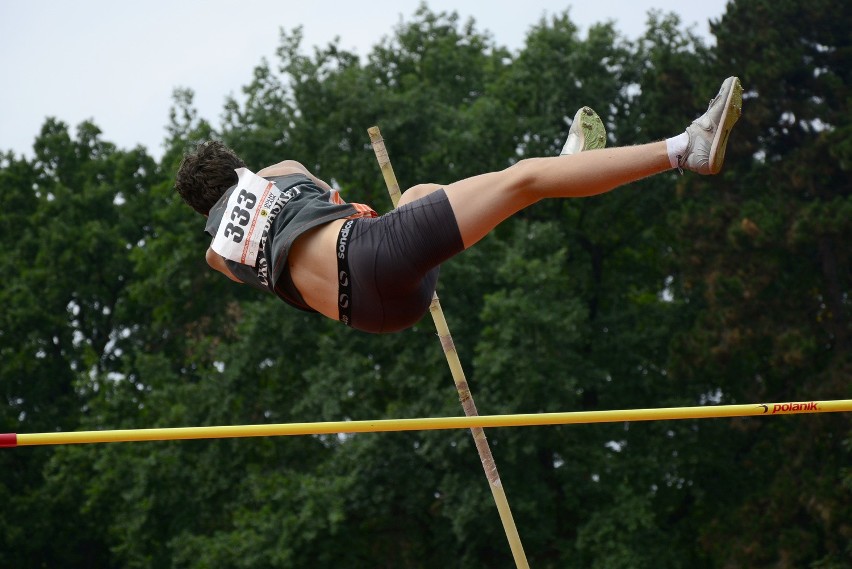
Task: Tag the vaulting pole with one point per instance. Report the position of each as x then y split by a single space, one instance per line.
465 396
426 423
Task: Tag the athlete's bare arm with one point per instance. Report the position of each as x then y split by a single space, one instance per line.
217 262
292 167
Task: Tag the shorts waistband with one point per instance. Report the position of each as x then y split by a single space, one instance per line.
344 281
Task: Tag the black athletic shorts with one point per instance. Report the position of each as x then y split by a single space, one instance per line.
388 265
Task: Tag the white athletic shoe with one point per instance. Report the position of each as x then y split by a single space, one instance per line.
587 133
708 134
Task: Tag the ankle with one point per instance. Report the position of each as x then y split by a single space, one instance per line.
676 148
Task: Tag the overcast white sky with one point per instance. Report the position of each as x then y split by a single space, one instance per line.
117 62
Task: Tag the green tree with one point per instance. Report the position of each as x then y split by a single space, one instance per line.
73 215
675 291
767 265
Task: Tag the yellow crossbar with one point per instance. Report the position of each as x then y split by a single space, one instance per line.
427 424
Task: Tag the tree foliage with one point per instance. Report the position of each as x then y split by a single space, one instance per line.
674 291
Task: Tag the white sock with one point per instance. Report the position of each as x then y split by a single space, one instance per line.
676 146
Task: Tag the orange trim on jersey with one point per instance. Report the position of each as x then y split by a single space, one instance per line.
361 210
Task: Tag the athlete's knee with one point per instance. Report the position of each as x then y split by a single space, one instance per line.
521 177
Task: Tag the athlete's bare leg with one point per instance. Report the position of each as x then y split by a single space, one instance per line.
417 192
482 202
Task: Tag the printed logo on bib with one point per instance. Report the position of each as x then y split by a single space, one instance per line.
252 206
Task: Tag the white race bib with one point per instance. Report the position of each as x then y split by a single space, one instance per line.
246 218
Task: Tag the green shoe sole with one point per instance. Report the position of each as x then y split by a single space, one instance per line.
594 132
730 115
587 132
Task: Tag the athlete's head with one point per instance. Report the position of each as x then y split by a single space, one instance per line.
205 174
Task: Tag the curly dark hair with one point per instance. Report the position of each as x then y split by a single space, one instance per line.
206 173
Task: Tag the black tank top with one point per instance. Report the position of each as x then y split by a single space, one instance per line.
308 208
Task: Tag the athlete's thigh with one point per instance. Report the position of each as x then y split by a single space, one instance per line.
482 202
414 193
